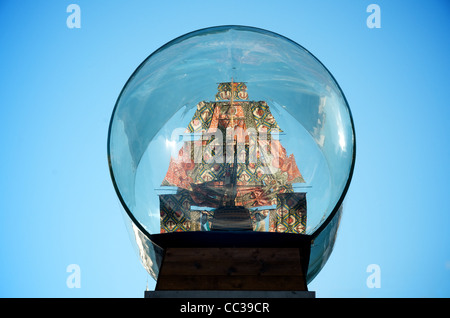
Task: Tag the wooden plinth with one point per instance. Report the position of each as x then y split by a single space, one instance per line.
235 261
231 269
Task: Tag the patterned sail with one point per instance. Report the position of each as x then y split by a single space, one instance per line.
232 156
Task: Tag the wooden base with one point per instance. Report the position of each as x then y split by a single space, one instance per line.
231 269
253 265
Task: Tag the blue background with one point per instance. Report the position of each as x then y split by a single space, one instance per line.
58 87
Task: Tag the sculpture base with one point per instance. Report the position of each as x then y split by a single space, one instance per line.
233 261
232 268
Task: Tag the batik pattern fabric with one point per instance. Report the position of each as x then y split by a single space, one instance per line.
176 214
258 181
288 217
202 178
209 116
290 214
227 89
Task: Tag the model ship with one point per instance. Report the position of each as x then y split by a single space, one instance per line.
232 172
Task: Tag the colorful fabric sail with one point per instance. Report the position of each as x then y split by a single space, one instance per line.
232 142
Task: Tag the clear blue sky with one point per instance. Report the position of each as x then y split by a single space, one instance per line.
58 87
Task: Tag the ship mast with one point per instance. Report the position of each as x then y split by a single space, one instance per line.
231 188
231 103
228 216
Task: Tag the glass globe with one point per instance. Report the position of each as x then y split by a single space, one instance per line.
232 128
